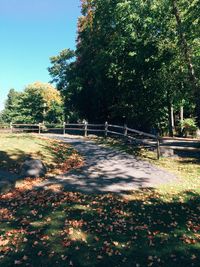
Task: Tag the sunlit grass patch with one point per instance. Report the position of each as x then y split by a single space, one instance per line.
16 148
186 168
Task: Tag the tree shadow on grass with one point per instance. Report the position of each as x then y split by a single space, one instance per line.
11 161
73 229
9 168
132 147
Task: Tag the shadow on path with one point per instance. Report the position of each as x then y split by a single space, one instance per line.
107 170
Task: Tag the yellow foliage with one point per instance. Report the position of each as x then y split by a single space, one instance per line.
48 92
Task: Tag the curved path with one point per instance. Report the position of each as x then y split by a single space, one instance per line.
107 170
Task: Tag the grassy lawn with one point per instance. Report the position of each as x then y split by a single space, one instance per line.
15 148
187 168
49 228
43 228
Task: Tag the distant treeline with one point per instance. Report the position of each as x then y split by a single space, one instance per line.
39 102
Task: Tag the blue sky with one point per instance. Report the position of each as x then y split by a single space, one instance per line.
30 32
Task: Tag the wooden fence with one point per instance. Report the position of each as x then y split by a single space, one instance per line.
86 129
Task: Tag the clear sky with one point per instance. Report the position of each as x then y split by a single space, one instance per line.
30 32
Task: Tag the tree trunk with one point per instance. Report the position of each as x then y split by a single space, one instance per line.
172 116
171 119
187 57
181 119
181 114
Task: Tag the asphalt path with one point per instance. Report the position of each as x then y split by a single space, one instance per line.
107 170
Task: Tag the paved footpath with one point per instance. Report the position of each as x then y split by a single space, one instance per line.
108 170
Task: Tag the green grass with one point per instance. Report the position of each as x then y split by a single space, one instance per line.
49 228
44 228
187 168
15 148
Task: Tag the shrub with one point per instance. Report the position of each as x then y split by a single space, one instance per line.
189 127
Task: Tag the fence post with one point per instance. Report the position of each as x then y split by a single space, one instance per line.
106 129
158 146
86 128
64 124
39 128
125 130
11 127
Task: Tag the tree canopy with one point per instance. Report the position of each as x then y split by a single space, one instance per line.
37 103
135 61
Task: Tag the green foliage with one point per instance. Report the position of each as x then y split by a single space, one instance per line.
37 103
12 104
129 65
60 68
63 73
55 113
189 126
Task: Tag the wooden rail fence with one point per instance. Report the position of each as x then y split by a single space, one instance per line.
86 128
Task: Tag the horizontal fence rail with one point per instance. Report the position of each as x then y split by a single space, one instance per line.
86 128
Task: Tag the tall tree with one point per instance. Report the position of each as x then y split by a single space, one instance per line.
11 110
128 64
187 54
37 103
